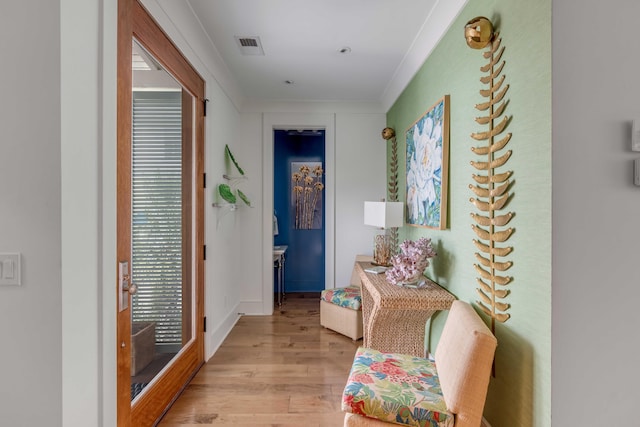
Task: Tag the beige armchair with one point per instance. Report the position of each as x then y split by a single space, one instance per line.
456 382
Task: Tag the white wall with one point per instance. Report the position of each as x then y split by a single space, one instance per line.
596 292
221 292
30 315
361 175
248 150
88 164
356 171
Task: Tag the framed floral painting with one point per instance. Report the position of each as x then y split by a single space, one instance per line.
427 167
306 197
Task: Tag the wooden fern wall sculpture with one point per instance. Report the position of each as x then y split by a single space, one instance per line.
390 134
491 185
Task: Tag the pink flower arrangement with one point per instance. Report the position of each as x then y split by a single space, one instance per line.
411 262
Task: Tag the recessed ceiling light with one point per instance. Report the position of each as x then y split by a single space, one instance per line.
344 50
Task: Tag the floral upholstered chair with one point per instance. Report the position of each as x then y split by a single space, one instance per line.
449 391
341 308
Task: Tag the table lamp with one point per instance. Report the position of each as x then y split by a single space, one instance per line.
384 215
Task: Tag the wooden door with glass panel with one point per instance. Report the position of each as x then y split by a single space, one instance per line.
160 211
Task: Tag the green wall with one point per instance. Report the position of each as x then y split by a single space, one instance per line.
520 393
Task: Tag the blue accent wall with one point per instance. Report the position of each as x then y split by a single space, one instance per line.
304 266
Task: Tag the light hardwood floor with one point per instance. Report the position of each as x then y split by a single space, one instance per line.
280 370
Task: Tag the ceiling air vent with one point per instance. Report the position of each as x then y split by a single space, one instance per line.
250 45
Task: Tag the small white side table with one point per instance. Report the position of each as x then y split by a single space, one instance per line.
278 263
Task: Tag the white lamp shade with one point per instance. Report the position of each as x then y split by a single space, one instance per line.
384 214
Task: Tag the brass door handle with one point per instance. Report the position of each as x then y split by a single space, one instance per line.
132 288
125 286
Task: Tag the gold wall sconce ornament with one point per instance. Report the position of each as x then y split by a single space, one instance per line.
478 32
491 185
390 134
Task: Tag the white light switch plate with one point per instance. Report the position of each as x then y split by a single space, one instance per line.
10 269
635 135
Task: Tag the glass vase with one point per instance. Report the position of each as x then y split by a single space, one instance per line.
382 250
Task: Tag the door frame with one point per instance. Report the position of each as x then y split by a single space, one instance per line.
135 22
285 155
284 121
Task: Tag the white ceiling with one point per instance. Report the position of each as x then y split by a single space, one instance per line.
301 40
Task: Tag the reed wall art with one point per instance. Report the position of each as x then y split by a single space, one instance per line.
492 184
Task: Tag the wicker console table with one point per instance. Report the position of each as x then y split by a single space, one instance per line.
394 317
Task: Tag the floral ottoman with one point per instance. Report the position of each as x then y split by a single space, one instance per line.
395 388
341 311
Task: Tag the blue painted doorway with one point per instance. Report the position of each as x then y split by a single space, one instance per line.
300 212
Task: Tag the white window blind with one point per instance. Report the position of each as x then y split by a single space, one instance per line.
157 213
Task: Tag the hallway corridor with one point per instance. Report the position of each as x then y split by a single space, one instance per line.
280 370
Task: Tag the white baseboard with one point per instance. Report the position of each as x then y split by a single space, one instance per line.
251 308
217 336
